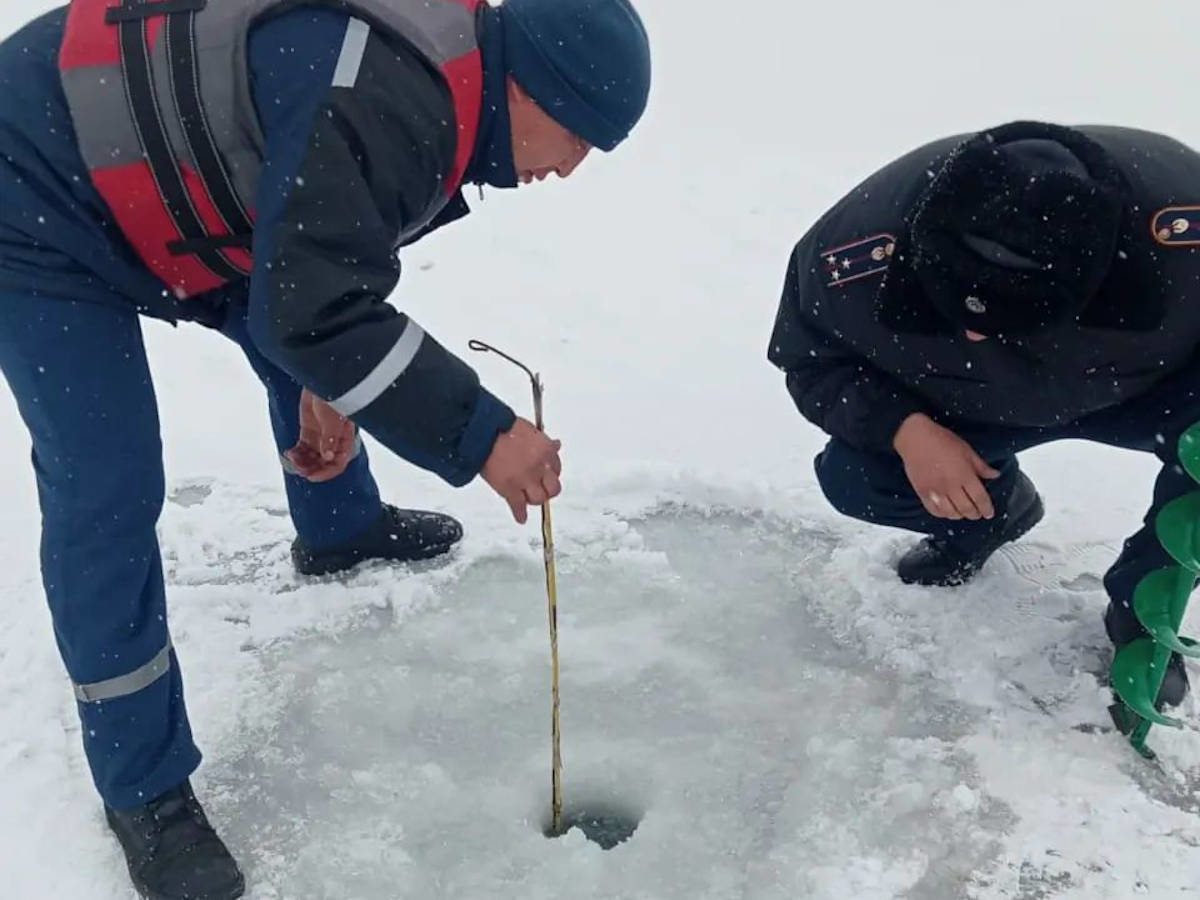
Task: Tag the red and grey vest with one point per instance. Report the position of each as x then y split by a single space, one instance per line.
160 98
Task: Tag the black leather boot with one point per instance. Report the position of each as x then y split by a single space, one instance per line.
1173 692
1123 628
172 851
400 535
1175 686
939 563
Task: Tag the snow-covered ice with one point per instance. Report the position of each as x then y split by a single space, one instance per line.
740 667
785 722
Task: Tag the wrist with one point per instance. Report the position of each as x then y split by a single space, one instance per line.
913 423
490 419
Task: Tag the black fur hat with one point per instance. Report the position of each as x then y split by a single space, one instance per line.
1018 233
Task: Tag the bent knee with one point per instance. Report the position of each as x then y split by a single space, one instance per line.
115 485
841 477
860 484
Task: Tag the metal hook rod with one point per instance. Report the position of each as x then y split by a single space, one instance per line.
556 792
481 347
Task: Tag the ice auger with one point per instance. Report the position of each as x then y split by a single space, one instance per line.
1159 602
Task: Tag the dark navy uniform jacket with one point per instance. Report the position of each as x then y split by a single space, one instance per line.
858 380
344 170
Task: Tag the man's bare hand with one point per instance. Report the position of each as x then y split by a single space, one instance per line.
524 468
327 440
944 470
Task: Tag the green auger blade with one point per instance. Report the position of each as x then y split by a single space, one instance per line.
1159 602
1137 674
1137 730
1189 451
1178 529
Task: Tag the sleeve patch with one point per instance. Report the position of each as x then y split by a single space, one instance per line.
859 259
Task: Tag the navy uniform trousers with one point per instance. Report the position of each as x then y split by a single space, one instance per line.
79 373
874 488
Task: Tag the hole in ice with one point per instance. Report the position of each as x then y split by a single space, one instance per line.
608 823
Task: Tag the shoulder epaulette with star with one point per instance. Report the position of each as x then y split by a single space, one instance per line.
860 259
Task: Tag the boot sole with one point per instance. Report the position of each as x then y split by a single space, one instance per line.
335 564
1021 527
239 890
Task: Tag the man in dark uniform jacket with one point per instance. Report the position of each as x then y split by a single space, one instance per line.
985 294
253 165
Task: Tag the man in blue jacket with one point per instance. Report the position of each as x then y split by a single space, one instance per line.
254 166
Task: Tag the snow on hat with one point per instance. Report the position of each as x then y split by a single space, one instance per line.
1017 234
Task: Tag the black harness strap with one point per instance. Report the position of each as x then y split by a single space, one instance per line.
232 241
152 134
185 87
194 238
133 11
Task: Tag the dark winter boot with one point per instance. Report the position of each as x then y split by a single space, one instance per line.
937 562
1175 686
400 535
172 851
1173 692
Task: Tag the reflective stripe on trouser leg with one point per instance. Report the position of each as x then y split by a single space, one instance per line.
124 685
290 468
333 512
75 369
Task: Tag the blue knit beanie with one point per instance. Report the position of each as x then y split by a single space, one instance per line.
586 63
